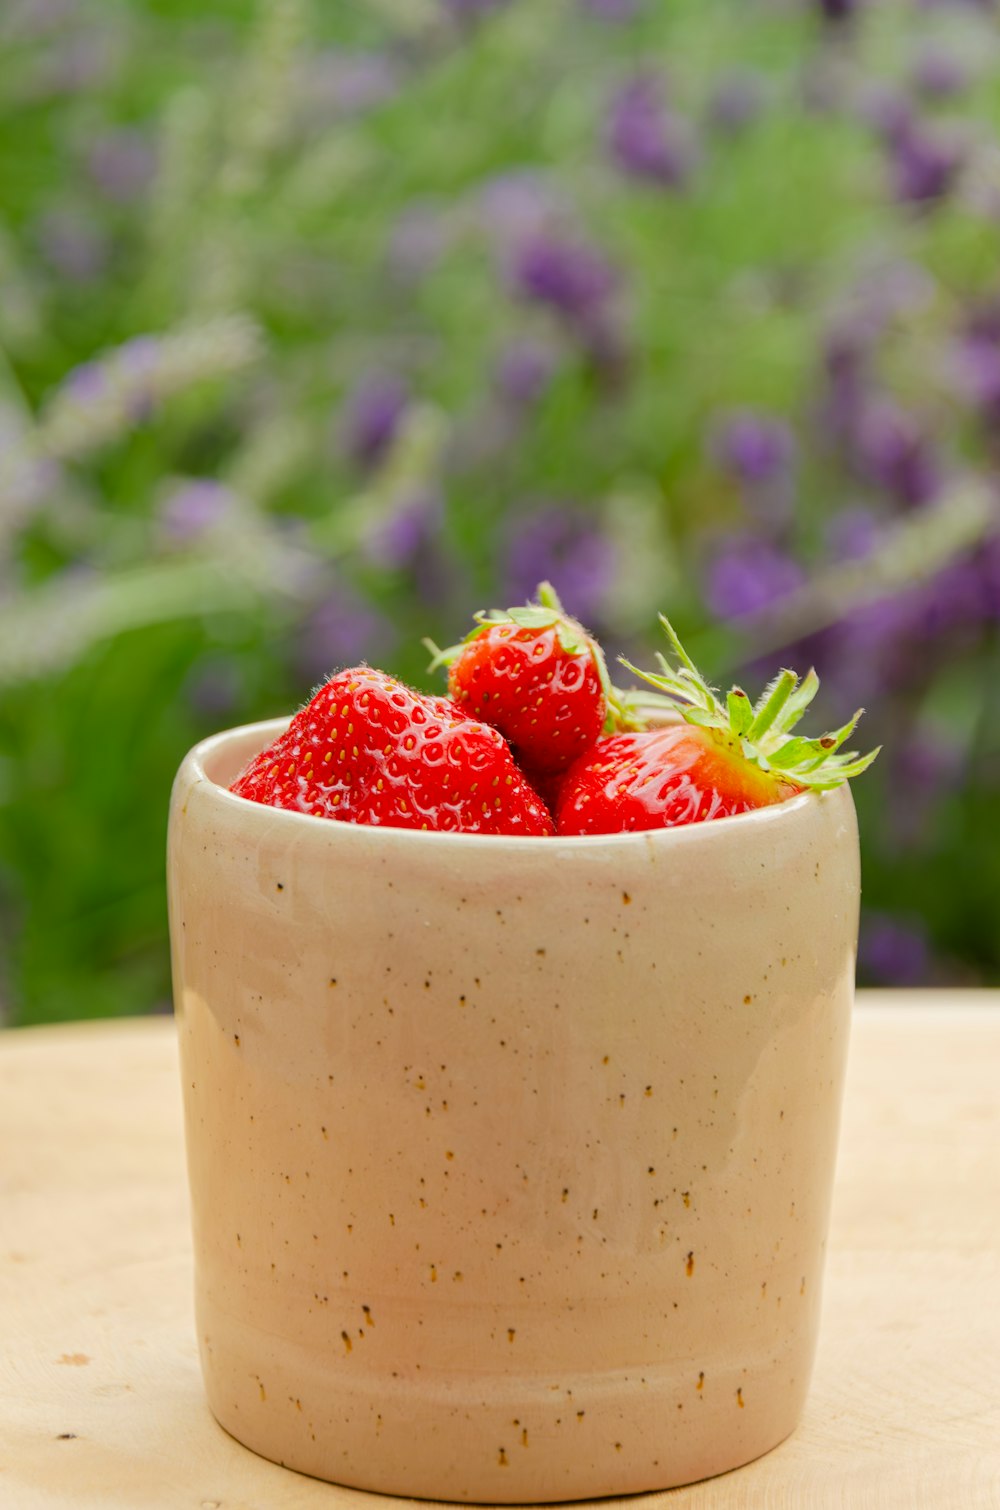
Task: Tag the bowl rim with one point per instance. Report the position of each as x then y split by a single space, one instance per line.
715 830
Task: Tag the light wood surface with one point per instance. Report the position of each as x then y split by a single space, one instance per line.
101 1405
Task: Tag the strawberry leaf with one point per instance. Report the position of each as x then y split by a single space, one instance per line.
740 711
798 702
763 729
771 703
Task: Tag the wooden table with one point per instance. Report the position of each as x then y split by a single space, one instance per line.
100 1393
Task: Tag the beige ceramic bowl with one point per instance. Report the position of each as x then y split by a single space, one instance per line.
510 1159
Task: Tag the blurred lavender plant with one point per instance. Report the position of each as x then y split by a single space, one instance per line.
570 277
372 416
647 140
191 511
748 574
557 542
524 371
894 952
924 164
736 101
308 316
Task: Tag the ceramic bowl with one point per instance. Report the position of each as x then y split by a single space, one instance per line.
510 1159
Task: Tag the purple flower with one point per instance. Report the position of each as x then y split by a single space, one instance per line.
975 360
563 545
846 360
964 594
888 290
923 164
568 276
80 61
882 646
869 653
137 363
755 447
897 455
73 244
647 140
195 509
418 241
611 10
337 83
887 111
395 541
472 10
736 101
976 367
27 480
984 321
926 762
125 379
906 290
987 564
524 371
139 356
893 951
342 630
748 574
519 204
372 416
837 11
853 534
872 653
855 422
87 384
925 768
39 17
940 75
121 163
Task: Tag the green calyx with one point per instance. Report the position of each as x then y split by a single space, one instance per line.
547 612
763 729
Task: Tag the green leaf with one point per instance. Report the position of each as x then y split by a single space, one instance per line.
740 710
832 774
549 598
798 702
678 648
531 616
795 753
771 703
762 729
702 717
441 657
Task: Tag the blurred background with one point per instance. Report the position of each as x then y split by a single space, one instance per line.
323 326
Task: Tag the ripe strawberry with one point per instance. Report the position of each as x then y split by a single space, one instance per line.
547 784
718 762
536 675
367 749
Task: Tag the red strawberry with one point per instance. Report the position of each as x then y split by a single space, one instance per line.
718 762
660 778
547 784
368 749
536 675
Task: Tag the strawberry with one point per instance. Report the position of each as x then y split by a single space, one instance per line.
367 749
535 674
717 762
547 784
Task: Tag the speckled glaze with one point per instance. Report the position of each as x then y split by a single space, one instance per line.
510 1159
